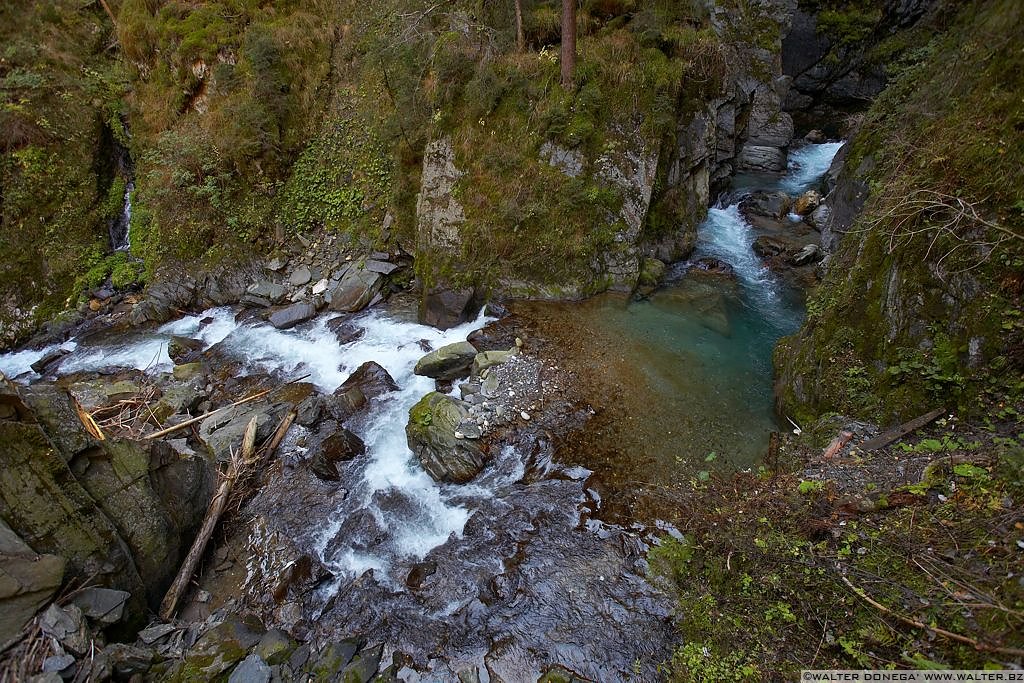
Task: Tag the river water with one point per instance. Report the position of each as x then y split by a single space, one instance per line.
529 569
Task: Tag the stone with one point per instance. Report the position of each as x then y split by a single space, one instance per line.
818 218
67 626
277 263
363 668
332 660
766 246
468 430
48 359
713 266
274 647
356 290
808 255
371 379
183 349
289 317
431 436
378 266
265 289
761 158
321 286
419 573
495 336
341 446
55 412
118 480
308 412
156 632
58 663
27 582
445 308
188 371
773 205
300 277
345 329
816 137
220 648
103 605
252 670
223 431
125 661
448 362
439 215
651 273
343 404
488 359
806 203
568 161
71 524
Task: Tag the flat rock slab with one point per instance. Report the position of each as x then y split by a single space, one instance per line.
289 317
448 362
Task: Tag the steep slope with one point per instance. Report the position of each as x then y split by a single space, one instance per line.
921 304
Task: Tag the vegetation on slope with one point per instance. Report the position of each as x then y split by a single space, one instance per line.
60 119
921 305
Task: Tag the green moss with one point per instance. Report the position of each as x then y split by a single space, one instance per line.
909 315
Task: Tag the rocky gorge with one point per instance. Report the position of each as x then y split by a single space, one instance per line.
468 375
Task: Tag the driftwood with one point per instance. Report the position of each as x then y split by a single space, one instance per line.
187 423
978 645
241 465
886 438
213 515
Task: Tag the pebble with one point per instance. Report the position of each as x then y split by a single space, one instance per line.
525 415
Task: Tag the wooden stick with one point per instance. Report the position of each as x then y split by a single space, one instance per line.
186 423
886 438
278 437
1016 652
249 442
213 514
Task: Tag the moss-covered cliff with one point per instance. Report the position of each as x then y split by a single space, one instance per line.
921 305
245 122
60 121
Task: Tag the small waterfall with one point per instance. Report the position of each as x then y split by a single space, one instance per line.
120 229
807 165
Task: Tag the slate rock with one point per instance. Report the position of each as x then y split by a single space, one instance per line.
289 317
448 362
371 378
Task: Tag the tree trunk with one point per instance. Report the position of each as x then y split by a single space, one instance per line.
520 37
568 42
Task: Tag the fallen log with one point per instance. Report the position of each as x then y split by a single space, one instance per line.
213 515
886 438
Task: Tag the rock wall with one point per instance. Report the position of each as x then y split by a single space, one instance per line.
118 515
921 297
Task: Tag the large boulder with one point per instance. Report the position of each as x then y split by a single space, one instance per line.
432 436
448 362
27 582
774 205
488 359
356 290
223 431
289 317
806 203
445 307
340 446
47 506
183 349
371 379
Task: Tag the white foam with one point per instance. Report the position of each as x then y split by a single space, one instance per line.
14 365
